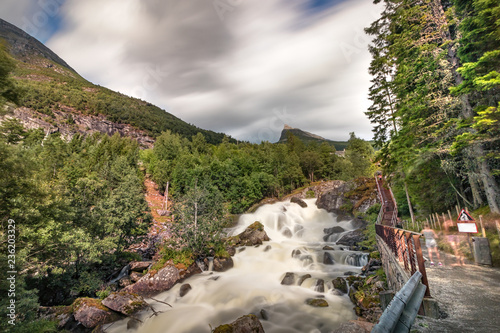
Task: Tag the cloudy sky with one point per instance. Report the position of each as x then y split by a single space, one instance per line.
240 67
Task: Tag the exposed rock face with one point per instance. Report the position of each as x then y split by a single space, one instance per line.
245 324
124 302
253 235
333 199
90 312
70 122
139 266
152 284
342 198
299 202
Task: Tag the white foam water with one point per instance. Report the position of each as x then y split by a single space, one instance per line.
254 284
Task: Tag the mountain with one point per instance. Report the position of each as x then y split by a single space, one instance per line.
307 137
55 98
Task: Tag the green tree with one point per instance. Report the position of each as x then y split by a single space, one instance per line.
360 154
200 218
8 89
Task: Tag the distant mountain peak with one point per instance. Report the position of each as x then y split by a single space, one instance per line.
306 137
299 133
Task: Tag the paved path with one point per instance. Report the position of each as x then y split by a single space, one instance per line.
468 296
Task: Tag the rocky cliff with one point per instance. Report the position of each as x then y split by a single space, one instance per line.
348 197
69 122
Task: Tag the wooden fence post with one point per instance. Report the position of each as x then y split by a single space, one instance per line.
438 222
482 226
498 228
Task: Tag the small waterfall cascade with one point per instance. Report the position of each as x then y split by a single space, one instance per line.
297 253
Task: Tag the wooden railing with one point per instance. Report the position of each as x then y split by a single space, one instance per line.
405 247
388 214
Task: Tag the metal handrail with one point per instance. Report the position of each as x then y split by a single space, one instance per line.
405 246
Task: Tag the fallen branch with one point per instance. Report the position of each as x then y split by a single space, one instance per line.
156 300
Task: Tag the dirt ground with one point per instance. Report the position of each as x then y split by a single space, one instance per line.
468 296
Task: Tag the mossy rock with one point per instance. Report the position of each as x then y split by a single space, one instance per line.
90 312
256 226
226 328
248 323
340 284
317 302
124 302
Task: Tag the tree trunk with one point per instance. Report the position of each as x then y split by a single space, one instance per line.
476 192
195 220
409 204
490 185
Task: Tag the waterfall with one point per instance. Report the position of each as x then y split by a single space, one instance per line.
254 284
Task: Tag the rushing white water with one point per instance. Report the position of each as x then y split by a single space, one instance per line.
254 284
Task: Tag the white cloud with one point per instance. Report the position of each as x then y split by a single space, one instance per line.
264 64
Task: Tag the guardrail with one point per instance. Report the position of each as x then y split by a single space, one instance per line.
405 246
402 310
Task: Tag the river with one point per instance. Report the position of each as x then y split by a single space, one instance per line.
254 284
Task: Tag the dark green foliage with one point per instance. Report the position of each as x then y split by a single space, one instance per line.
8 90
77 205
241 175
435 96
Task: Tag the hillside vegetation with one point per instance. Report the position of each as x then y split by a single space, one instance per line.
46 84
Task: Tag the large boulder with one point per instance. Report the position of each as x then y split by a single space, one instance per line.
155 282
245 324
299 202
91 313
124 302
253 235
